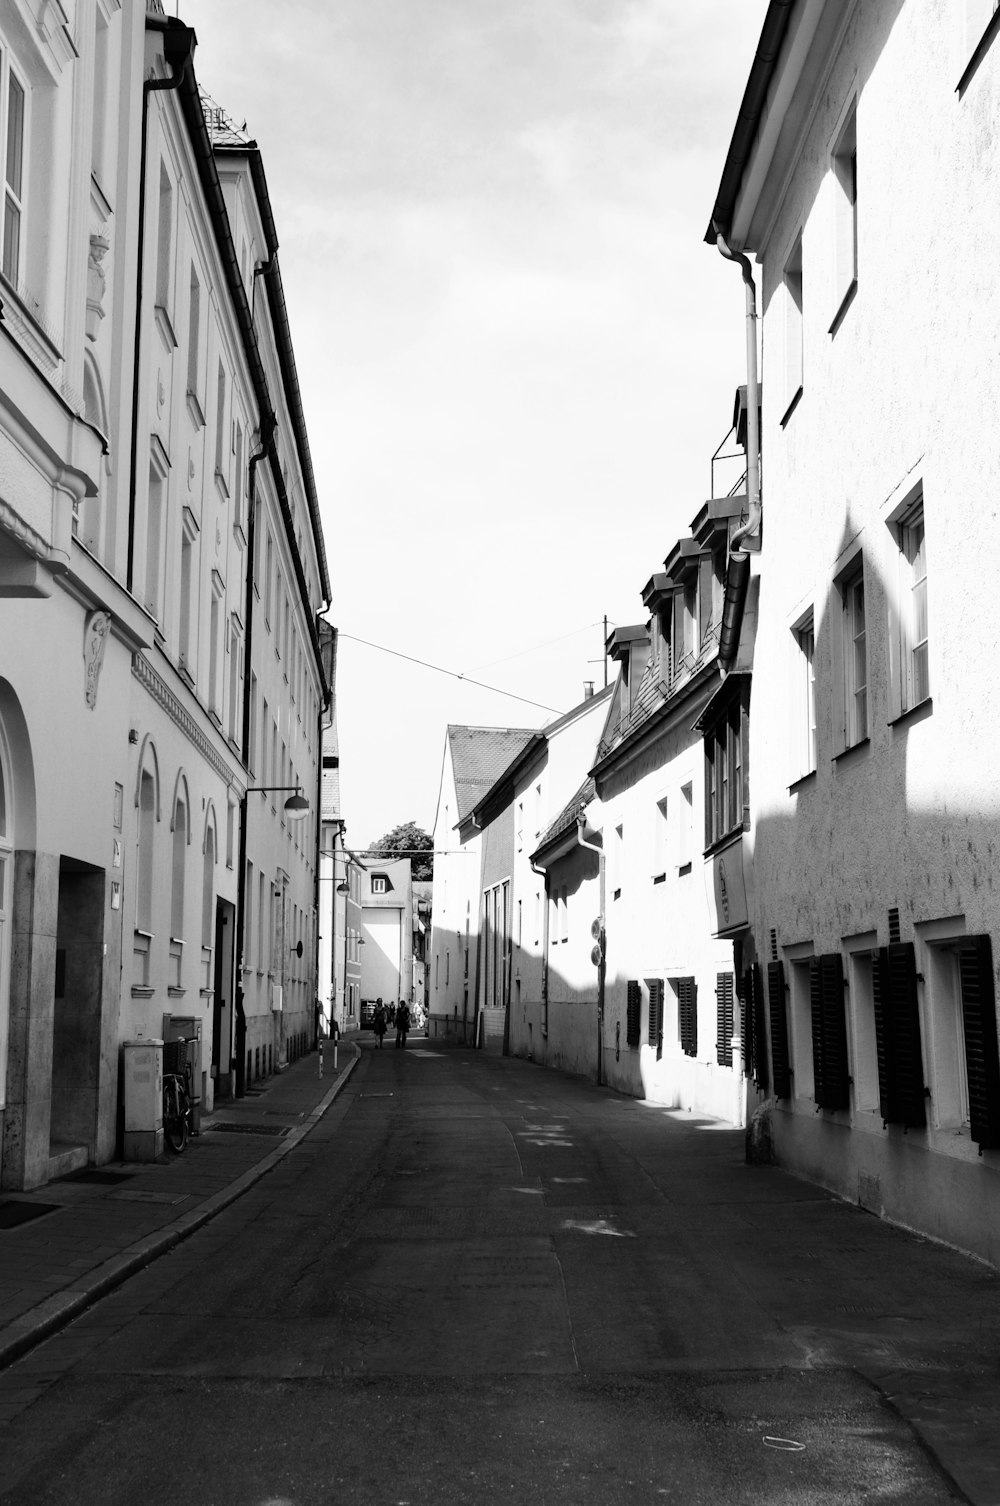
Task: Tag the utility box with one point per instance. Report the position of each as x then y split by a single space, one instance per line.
187 1027
143 1100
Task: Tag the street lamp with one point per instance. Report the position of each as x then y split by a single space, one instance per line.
296 806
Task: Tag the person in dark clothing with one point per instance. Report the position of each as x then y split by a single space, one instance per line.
402 1023
379 1023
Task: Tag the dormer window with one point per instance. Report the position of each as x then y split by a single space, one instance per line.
379 883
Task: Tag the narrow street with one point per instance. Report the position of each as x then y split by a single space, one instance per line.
476 1280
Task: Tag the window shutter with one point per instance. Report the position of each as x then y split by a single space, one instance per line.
897 1036
754 1030
780 1064
632 1025
829 1031
724 1019
981 1059
656 1016
687 1010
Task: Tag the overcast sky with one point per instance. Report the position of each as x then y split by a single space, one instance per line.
516 352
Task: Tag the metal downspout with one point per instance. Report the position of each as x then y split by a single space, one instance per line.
738 563
240 1085
602 965
180 60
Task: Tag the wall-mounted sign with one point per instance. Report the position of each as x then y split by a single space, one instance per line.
116 860
727 891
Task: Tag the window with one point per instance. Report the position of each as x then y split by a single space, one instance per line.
685 829
724 1019
831 1078
13 196
977 31
155 519
778 1020
793 328
855 657
378 884
220 425
655 986
687 1014
725 795
908 666
215 650
268 567
633 1010
563 914
194 336
164 240
897 1036
617 861
187 637
844 171
660 842
235 681
804 702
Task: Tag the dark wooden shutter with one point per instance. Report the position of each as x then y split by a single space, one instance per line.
633 1025
779 1030
982 1065
687 1012
829 1031
754 1029
656 1015
724 1019
897 1036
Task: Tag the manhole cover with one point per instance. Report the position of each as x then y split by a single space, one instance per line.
95 1175
13 1213
252 1129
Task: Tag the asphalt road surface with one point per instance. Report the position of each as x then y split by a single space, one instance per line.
478 1281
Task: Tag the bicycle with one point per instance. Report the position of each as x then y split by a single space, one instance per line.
176 1098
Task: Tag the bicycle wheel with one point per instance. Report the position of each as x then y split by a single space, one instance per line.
175 1128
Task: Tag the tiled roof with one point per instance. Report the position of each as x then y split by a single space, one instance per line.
653 691
222 129
566 818
330 803
479 756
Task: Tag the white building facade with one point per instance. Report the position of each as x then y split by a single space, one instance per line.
861 178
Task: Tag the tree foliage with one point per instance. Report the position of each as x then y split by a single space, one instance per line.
408 840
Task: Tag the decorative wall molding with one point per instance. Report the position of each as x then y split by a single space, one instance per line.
151 682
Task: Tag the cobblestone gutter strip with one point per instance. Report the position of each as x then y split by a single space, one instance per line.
45 1318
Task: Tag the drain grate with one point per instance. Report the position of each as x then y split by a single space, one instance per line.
98 1177
13 1213
252 1129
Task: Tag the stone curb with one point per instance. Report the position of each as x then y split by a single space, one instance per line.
45 1318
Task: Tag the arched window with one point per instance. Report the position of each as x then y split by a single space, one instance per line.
181 836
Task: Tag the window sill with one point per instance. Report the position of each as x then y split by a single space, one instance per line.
981 49
164 324
195 409
845 304
142 991
222 484
803 782
791 407
175 992
923 708
846 753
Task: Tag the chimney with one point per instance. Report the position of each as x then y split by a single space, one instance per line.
588 690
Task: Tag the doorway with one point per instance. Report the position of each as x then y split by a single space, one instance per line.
76 1013
222 1012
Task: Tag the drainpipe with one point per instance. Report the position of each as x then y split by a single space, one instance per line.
738 564
266 431
178 52
581 822
543 875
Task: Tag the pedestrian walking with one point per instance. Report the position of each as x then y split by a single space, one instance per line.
379 1023
402 1023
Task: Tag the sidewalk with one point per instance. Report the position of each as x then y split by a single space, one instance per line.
90 1231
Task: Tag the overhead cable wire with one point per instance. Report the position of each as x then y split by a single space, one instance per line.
453 673
535 646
